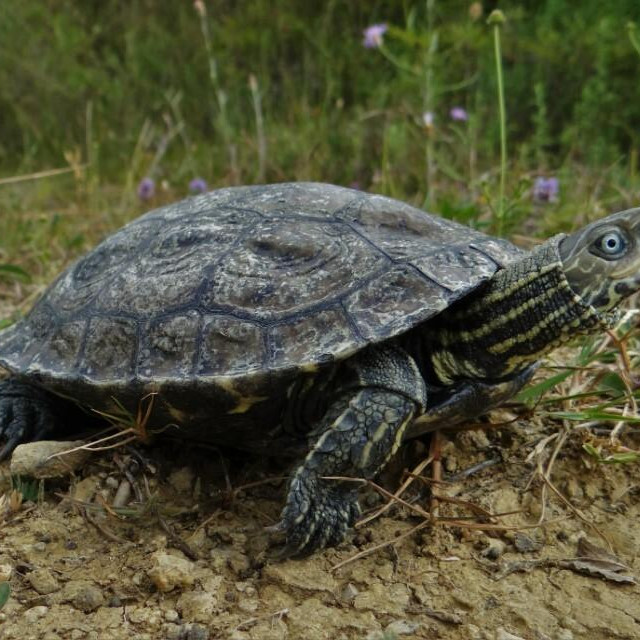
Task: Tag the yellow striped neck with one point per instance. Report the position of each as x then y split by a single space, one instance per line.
525 311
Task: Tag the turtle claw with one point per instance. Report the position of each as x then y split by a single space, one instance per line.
278 527
24 415
317 514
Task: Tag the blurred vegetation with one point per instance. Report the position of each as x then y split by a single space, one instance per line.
240 92
244 92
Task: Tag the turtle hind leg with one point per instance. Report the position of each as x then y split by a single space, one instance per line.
360 432
27 413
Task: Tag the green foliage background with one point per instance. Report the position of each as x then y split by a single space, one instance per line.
245 91
107 83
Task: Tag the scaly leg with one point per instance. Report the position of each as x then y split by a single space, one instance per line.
361 430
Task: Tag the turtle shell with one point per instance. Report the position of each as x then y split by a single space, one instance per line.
245 283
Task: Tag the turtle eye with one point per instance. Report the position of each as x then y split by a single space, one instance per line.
611 245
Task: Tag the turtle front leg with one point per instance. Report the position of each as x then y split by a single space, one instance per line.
27 413
361 430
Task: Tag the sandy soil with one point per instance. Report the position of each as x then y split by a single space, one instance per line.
127 575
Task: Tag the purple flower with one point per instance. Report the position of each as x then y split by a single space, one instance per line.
198 185
373 35
146 188
545 189
459 114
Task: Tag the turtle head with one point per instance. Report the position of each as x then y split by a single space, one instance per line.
602 260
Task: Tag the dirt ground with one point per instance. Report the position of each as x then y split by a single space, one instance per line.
125 572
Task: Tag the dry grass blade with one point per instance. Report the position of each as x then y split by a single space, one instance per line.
487 526
387 494
474 508
278 615
105 532
575 510
41 174
591 561
428 518
435 450
175 539
106 506
413 475
382 545
626 377
128 428
10 505
92 446
257 483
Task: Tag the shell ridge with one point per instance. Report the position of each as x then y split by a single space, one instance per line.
81 310
352 323
232 272
372 244
430 279
489 256
209 270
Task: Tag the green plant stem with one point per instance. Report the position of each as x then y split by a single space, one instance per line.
222 121
631 30
503 126
429 106
262 141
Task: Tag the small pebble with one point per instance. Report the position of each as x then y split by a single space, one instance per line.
169 572
83 595
349 592
248 606
473 632
196 606
35 613
494 550
450 464
123 494
5 572
501 634
47 459
43 581
182 479
144 616
196 632
172 631
112 482
401 628
171 615
525 544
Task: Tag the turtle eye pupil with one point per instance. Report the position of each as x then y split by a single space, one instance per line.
611 244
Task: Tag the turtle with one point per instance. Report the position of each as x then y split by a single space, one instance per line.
306 320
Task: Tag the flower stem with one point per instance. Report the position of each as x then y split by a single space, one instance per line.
222 123
496 19
631 30
429 107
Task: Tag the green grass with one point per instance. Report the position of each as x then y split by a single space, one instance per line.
5 592
138 89
286 91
